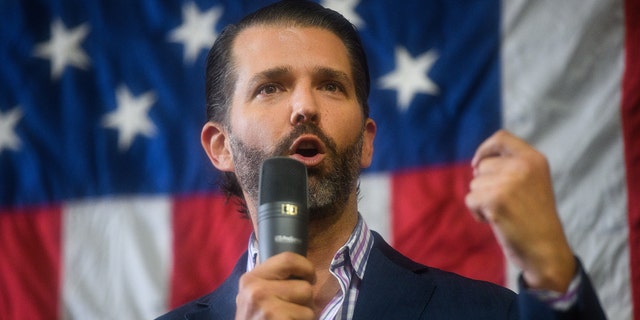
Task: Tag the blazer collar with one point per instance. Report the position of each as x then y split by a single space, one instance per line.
392 287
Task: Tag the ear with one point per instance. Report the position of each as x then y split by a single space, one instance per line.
367 143
215 143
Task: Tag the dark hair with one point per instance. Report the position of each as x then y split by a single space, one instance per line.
220 76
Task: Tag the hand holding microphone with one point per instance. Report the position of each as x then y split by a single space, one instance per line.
280 285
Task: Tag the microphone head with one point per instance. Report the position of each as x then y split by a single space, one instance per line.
283 179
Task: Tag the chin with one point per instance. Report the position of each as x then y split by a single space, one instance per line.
317 213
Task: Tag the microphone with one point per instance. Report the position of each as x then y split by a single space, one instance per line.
283 207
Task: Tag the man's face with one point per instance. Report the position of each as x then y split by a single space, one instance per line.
295 97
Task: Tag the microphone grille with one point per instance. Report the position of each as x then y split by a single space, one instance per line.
283 179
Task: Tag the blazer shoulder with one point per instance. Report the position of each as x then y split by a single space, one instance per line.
438 276
433 291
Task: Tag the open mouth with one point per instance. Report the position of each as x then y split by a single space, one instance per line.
308 149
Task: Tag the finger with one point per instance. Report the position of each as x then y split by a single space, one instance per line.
489 166
501 143
484 184
259 289
472 204
295 312
257 295
491 147
295 291
258 302
285 311
285 266
487 196
480 207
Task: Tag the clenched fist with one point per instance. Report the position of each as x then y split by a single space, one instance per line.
512 190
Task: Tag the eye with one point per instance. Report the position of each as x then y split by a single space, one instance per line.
332 87
268 89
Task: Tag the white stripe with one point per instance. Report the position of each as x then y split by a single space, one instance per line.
375 203
116 258
562 70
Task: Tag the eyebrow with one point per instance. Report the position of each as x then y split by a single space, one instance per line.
269 74
282 71
334 74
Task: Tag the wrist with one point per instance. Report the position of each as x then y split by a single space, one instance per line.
556 275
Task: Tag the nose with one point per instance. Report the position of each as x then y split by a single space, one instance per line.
304 107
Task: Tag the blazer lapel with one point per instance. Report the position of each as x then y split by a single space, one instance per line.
392 288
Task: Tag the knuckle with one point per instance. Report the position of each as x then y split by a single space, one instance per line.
249 290
495 200
501 133
245 280
306 289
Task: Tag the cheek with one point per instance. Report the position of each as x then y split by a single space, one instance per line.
257 130
348 125
249 133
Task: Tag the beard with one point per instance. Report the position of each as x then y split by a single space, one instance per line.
330 183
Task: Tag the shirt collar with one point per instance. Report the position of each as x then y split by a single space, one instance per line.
354 252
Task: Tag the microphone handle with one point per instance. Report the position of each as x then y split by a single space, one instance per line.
282 227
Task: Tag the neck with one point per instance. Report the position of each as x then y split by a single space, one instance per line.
327 235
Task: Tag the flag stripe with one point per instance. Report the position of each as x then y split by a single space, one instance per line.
432 225
208 237
631 127
128 263
375 203
569 108
30 262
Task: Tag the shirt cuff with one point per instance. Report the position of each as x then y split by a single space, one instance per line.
556 300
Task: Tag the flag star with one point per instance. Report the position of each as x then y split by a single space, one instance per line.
131 116
197 31
63 48
8 137
410 76
347 8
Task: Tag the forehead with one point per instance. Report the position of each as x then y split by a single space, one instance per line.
262 47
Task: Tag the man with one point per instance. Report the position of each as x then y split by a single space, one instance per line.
292 80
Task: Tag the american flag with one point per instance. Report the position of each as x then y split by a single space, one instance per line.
109 208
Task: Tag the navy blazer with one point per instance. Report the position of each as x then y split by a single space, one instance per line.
395 287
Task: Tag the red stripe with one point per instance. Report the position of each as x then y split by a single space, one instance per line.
432 225
631 131
30 263
209 236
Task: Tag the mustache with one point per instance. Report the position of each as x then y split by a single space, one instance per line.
282 148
